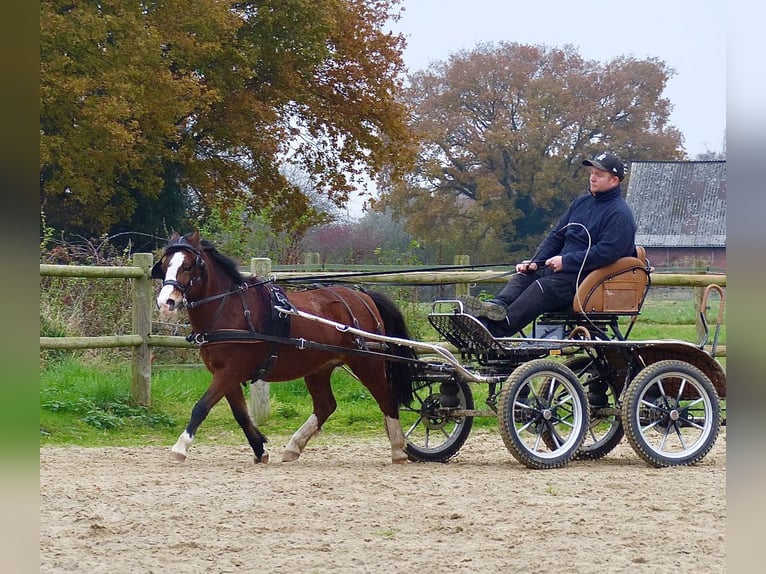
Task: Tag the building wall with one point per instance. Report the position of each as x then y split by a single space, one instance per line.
713 258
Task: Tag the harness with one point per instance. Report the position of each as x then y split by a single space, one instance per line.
275 329
279 334
277 311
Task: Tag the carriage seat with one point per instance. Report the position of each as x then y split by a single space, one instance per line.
619 288
605 295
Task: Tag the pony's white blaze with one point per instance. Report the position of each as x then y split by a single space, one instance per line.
166 301
298 441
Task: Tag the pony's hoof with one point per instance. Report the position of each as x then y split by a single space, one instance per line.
177 456
263 460
290 456
400 458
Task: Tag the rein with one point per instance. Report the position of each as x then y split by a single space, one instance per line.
342 275
278 298
241 336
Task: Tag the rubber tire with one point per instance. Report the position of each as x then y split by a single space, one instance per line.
636 432
607 442
534 374
421 449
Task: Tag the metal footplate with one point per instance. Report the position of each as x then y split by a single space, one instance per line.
469 334
464 331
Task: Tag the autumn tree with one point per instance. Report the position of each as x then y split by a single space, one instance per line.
503 130
154 114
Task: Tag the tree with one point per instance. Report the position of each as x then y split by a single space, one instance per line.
153 114
375 238
503 130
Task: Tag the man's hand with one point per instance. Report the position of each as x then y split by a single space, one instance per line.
526 267
556 263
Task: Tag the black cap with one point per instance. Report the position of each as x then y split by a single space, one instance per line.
607 162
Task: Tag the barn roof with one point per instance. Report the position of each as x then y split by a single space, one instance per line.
678 203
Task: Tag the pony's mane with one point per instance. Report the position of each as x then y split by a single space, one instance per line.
227 264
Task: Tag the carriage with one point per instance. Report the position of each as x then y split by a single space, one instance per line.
572 388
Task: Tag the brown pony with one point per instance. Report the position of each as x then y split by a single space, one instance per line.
243 337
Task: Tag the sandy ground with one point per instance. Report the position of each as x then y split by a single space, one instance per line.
344 508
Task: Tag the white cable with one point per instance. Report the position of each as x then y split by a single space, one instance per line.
579 272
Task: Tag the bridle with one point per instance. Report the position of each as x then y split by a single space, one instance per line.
199 265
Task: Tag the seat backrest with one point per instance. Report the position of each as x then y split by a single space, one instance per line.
617 288
641 254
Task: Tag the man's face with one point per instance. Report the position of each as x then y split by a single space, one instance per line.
601 180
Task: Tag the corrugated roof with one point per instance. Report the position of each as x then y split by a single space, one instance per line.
678 203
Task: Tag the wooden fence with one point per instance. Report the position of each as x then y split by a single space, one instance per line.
143 304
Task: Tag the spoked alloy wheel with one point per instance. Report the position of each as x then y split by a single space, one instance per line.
604 430
432 433
671 414
542 414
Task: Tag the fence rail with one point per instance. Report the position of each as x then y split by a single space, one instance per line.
142 339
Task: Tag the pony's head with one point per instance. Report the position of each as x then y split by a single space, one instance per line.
190 268
180 268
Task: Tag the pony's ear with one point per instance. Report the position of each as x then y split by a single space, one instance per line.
194 237
174 236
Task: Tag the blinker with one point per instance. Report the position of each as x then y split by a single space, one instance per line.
157 271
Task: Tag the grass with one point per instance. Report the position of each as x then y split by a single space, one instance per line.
673 319
85 399
88 404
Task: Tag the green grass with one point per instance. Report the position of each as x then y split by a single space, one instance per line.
88 404
86 401
673 319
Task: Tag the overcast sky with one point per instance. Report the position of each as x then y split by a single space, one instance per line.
689 36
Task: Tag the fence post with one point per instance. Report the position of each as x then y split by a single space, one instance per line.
462 289
259 390
312 258
141 385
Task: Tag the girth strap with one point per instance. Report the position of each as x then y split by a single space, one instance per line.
278 325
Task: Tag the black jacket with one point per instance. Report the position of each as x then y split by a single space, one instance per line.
610 224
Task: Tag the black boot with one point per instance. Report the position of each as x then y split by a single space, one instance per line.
499 329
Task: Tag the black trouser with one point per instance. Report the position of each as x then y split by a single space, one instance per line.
527 295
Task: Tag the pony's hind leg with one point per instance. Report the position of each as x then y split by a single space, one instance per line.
324 402
236 399
373 377
300 438
396 438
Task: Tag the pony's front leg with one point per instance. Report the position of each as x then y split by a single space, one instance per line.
178 452
396 438
299 440
198 414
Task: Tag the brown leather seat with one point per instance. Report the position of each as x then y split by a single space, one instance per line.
617 288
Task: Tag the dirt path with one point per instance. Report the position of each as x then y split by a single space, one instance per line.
343 508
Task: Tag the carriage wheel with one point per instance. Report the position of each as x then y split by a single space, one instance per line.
604 430
432 432
542 414
671 414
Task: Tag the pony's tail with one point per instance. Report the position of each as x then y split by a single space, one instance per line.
400 374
